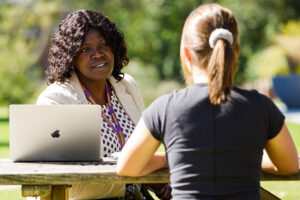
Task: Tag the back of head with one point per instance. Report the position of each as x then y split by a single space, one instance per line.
210 33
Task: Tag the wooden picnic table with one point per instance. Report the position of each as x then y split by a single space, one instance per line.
52 180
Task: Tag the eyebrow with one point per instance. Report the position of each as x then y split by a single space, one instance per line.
101 40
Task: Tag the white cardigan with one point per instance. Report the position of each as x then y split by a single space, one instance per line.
71 92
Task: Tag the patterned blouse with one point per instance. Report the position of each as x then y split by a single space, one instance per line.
109 137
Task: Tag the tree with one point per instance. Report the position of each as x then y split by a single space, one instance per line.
25 29
152 29
258 22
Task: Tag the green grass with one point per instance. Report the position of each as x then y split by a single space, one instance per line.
287 190
4 139
161 148
295 132
11 195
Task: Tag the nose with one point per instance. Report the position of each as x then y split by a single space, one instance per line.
97 53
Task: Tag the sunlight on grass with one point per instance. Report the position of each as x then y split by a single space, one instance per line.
3 112
153 195
161 148
4 131
285 190
4 152
295 132
11 195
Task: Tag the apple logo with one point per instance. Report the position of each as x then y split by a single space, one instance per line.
55 134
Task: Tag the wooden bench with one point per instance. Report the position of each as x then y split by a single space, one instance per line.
52 180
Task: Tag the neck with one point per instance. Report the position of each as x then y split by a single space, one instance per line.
96 88
199 76
201 79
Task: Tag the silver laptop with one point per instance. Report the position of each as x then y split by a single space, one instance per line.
55 132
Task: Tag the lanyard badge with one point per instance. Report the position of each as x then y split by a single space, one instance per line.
115 125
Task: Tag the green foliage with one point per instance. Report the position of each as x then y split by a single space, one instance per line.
292 28
258 22
270 62
152 29
24 31
163 22
15 58
148 80
282 57
289 39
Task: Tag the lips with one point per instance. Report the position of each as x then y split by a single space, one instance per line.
99 66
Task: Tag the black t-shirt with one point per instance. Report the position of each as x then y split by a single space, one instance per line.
214 151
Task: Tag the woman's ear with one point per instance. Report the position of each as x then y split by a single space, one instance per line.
187 54
188 58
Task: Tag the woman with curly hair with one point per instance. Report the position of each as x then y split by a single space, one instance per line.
86 57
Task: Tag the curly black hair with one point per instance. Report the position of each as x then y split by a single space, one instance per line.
67 41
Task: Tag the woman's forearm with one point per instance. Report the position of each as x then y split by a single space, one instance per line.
158 161
267 165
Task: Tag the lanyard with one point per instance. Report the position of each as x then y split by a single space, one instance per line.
115 124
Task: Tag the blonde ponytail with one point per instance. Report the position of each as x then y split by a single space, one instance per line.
221 68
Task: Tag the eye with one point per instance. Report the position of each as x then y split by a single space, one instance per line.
85 49
103 45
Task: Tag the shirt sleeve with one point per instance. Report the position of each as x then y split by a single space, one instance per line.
274 116
155 117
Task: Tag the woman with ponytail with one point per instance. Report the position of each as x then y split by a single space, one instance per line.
217 136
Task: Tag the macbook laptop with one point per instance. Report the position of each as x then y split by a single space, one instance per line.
55 132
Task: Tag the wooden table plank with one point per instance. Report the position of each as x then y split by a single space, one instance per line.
50 180
25 173
82 172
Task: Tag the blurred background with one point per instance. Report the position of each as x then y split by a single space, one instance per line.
269 36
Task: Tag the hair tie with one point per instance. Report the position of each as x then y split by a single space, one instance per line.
220 33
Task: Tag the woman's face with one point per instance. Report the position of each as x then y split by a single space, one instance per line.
95 59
